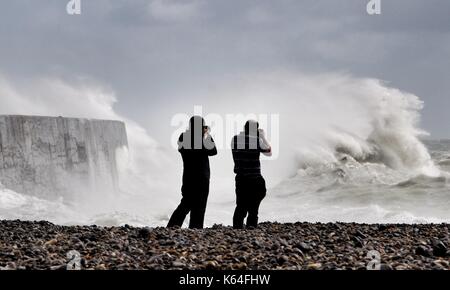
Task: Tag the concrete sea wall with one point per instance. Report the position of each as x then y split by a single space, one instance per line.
55 157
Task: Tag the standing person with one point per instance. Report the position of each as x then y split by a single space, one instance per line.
195 146
250 185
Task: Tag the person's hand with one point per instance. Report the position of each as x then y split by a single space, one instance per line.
206 131
261 133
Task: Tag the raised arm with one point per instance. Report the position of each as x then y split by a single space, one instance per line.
210 146
181 146
265 146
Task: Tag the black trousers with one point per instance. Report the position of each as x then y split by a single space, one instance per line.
195 198
250 191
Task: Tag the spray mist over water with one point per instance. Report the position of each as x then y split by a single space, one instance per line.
347 147
324 114
141 173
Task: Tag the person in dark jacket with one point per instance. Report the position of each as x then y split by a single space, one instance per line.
250 185
195 146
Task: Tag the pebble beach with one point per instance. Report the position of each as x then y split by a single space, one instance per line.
272 246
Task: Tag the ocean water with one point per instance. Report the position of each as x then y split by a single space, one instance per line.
346 190
351 150
352 191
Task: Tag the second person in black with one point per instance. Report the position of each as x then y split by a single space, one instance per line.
250 185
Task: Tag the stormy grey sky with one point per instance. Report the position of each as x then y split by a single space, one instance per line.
152 52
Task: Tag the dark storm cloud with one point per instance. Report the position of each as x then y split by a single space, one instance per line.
149 51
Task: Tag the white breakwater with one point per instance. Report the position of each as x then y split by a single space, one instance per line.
59 158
